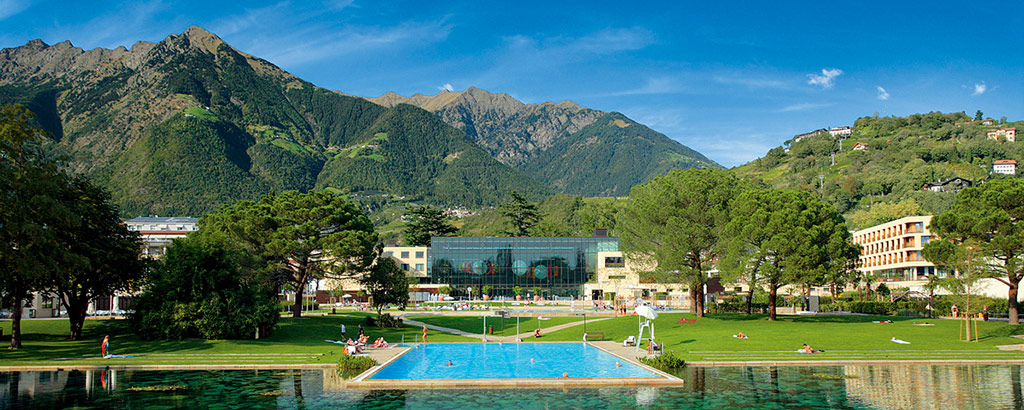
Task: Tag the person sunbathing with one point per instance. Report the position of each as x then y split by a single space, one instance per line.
379 343
807 349
740 335
536 333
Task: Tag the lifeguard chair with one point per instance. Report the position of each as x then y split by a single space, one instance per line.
645 321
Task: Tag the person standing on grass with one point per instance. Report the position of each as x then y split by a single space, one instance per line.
343 337
424 333
360 330
105 346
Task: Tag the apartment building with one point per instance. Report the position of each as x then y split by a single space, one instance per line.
893 250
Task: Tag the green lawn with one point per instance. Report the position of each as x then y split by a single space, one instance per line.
295 341
841 337
709 339
474 324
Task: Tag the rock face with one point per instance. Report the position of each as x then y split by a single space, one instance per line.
189 123
527 136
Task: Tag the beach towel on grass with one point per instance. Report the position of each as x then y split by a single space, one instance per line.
902 342
687 321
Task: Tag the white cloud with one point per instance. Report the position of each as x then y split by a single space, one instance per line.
11 7
979 88
882 94
803 107
827 78
447 87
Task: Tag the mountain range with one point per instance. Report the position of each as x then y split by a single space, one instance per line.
189 123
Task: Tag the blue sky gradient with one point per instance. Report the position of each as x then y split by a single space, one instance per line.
729 79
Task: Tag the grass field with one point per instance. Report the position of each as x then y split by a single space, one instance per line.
709 339
841 337
294 341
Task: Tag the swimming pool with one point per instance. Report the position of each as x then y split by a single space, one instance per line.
475 361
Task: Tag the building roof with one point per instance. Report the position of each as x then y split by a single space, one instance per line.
1005 162
163 219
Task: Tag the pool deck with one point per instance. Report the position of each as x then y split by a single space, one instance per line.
362 381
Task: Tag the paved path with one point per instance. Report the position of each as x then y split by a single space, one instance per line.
496 338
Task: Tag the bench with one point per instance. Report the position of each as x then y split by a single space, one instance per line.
586 336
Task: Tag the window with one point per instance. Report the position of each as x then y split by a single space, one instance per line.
389 253
405 266
419 266
616 276
419 254
614 262
405 254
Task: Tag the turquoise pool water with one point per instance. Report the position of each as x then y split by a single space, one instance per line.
509 361
905 387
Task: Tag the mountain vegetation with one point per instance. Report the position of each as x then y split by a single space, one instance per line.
576 150
899 156
188 124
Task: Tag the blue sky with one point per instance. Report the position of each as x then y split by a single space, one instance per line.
729 79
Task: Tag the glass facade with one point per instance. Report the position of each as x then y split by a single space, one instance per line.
559 266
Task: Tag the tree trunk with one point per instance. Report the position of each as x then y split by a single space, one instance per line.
772 293
16 321
700 300
77 306
750 298
1012 303
297 307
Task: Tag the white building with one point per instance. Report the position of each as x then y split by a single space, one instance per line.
1005 166
158 232
1007 134
844 131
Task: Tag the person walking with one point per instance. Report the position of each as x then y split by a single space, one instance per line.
343 337
105 346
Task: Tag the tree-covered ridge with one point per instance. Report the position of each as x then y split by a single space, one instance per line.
900 155
187 124
574 149
614 150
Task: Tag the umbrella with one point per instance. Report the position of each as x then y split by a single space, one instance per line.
647 312
346 295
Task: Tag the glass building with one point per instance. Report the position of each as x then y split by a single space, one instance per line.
559 266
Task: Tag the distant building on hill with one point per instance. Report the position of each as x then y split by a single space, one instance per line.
808 134
844 131
860 146
1007 134
988 121
158 232
949 185
1005 166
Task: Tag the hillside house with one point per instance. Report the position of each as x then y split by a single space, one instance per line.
860 146
807 134
988 121
844 131
1005 166
1007 134
949 185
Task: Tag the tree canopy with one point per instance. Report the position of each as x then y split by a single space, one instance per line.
200 290
782 237
521 215
299 237
425 222
387 285
990 216
675 221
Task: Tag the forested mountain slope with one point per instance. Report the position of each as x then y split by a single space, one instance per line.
574 149
189 123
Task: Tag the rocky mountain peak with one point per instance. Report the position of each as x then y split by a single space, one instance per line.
198 37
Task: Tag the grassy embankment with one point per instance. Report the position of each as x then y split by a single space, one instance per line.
295 341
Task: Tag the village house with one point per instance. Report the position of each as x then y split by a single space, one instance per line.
1005 166
949 185
1007 134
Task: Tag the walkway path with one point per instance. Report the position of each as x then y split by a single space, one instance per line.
496 338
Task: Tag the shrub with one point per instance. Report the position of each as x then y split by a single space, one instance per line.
667 362
352 366
384 321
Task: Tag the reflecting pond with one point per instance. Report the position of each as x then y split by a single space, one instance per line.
787 387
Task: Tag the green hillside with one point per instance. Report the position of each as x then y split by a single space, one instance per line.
902 154
614 150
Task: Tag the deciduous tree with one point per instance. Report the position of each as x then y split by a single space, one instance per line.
387 285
